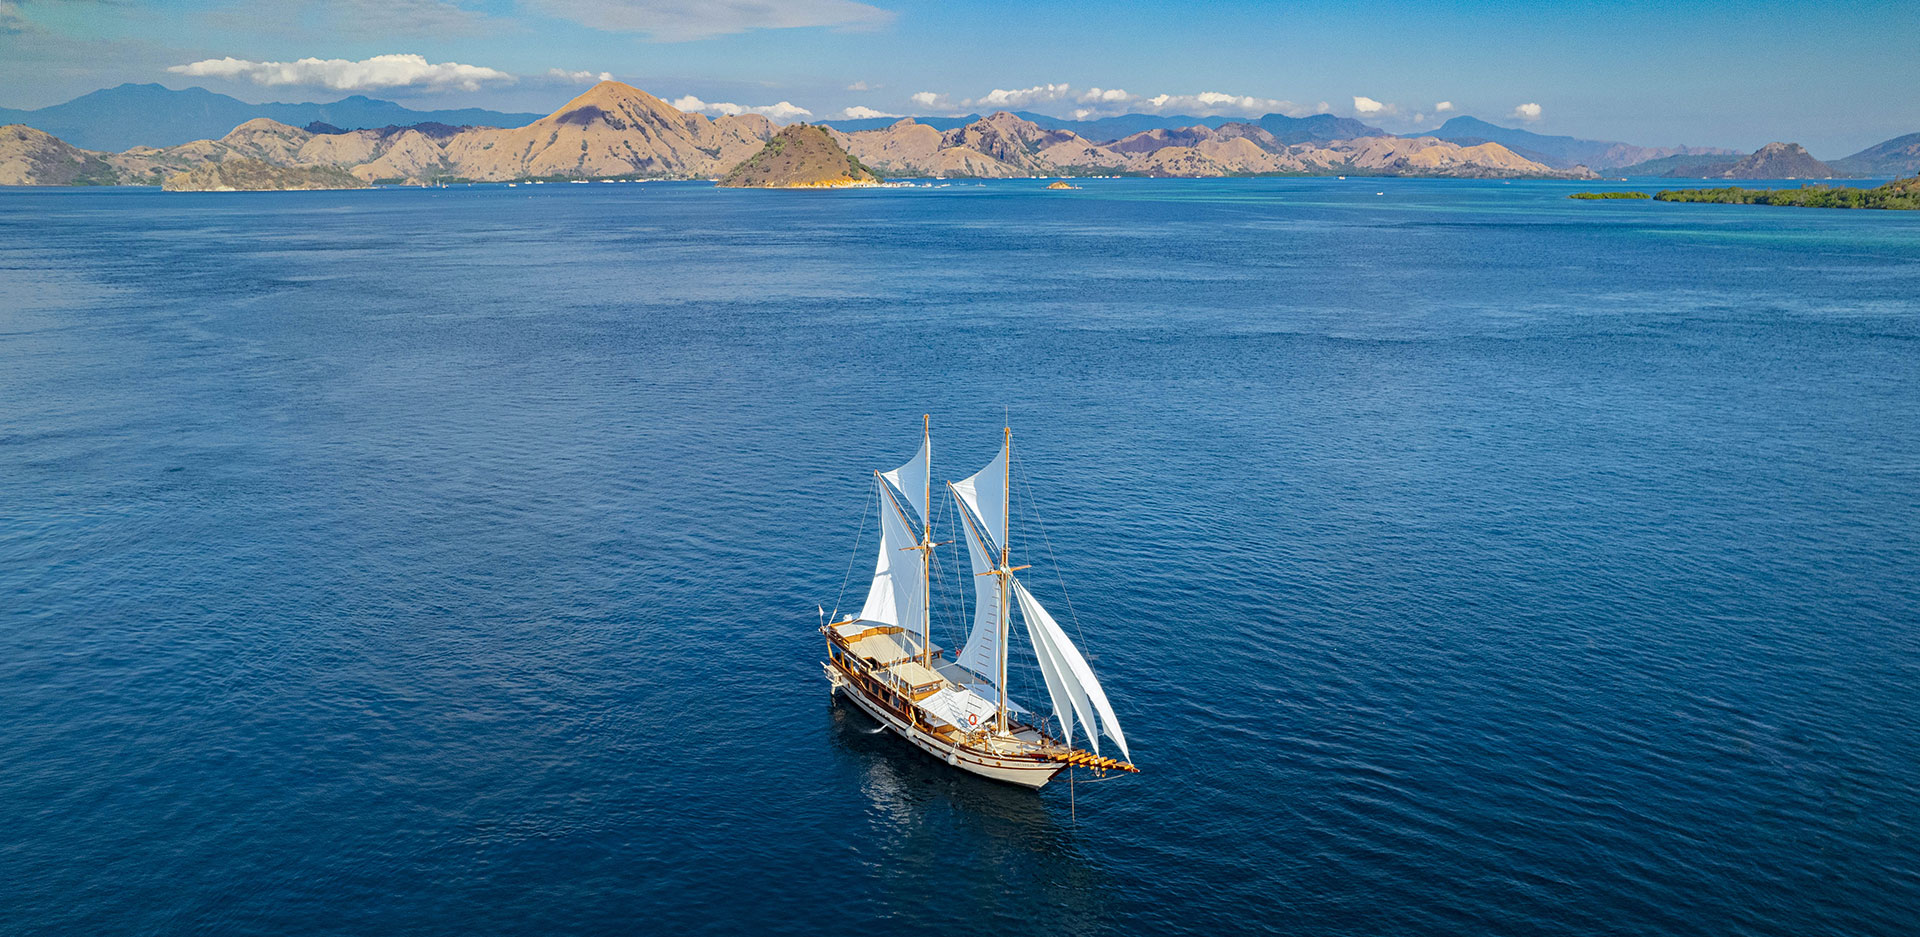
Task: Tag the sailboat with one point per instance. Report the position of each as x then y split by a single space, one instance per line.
884 659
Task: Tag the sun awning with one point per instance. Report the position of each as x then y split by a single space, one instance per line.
913 674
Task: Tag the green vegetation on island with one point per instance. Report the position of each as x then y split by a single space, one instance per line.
1609 195
1900 194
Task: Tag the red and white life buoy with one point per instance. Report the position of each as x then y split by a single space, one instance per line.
973 719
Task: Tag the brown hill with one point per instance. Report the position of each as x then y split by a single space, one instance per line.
1780 161
1029 148
800 156
244 174
33 157
613 129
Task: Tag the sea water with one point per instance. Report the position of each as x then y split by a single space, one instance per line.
1460 558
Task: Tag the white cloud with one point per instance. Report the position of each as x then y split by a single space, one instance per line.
1368 107
1216 104
1443 107
862 112
933 102
380 71
1528 112
1003 99
578 78
683 20
784 111
12 21
1108 102
859 86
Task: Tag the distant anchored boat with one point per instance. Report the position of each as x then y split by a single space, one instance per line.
884 659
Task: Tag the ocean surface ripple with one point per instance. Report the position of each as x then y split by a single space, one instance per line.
1461 559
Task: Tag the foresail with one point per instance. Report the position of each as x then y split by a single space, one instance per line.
911 478
1068 677
895 596
980 654
985 494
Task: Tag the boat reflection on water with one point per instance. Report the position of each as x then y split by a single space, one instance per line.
979 842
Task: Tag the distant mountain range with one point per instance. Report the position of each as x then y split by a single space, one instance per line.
115 119
1897 157
618 131
1560 152
1773 161
1108 129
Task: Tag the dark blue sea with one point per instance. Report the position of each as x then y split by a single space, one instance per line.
1460 558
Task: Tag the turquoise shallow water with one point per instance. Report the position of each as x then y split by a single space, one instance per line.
1460 558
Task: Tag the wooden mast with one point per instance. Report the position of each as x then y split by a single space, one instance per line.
1006 514
926 549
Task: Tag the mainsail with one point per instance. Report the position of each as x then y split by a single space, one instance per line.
981 652
899 587
1070 682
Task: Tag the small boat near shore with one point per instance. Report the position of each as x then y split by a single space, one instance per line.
884 660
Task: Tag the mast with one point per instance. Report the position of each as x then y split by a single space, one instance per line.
926 550
1006 511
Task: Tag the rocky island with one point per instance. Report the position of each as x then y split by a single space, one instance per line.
241 174
801 156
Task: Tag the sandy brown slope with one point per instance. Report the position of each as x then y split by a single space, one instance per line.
245 174
33 157
612 130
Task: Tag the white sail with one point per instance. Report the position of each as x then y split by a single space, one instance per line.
1068 675
896 595
911 479
980 654
985 494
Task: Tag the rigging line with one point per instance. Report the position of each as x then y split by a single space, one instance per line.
1053 561
864 508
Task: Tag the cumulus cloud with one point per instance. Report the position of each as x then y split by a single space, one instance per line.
785 111
1443 107
862 112
932 101
1215 104
380 71
12 21
1002 98
1528 112
859 86
1107 102
1366 106
578 78
683 20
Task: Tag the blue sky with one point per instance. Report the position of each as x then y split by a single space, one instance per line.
1835 77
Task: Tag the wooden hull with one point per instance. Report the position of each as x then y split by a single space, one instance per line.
1028 772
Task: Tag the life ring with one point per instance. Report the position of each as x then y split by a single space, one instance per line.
973 719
